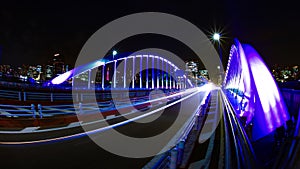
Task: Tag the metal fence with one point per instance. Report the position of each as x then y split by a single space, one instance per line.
68 96
292 100
174 156
17 111
40 110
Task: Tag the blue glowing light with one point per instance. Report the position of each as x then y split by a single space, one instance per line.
114 53
255 90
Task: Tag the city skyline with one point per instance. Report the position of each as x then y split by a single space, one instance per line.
33 32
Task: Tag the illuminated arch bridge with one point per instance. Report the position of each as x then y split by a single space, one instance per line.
252 87
137 71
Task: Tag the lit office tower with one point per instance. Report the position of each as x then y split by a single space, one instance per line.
58 65
191 68
49 72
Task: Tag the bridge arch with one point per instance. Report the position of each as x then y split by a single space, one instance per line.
251 84
158 72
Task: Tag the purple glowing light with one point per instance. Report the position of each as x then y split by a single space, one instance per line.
271 108
248 75
62 78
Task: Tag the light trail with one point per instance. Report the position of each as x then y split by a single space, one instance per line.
73 136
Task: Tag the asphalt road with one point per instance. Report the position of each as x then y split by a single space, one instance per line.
83 153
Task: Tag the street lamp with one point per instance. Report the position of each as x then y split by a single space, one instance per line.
114 53
217 37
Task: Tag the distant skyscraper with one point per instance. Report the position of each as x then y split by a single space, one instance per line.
49 72
191 68
58 65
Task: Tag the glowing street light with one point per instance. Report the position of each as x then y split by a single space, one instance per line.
114 53
216 36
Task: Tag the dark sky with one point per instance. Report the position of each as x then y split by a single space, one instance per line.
31 32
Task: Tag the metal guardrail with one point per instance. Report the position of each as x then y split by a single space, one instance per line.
244 152
34 111
10 94
17 111
173 158
40 111
292 100
68 96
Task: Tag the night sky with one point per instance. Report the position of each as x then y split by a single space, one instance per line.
31 32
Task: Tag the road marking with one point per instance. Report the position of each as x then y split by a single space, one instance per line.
29 129
194 92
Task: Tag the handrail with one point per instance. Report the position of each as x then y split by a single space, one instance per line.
192 123
51 96
227 143
233 133
245 137
241 139
17 111
42 110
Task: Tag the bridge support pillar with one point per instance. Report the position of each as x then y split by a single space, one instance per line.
133 71
141 69
147 72
102 78
174 76
115 73
170 73
157 73
162 72
89 78
166 70
124 76
152 73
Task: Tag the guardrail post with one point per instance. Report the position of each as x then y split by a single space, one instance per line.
33 110
173 162
180 151
51 97
40 110
80 107
24 96
20 96
81 97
